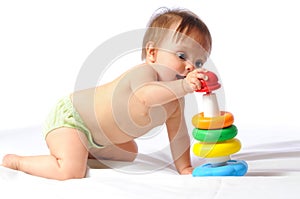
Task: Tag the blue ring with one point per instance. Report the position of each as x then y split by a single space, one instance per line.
232 168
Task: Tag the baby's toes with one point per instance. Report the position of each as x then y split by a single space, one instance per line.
10 161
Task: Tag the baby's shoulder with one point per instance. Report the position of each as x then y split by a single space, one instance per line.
144 71
144 68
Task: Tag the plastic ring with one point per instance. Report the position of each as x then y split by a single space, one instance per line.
224 120
207 150
215 135
231 168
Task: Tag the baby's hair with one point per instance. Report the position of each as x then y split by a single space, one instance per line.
164 18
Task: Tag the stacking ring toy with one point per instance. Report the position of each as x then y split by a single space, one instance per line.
215 135
231 168
224 120
219 149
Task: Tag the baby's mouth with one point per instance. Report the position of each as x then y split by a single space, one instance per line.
180 76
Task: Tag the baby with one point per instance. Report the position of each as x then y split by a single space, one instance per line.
102 122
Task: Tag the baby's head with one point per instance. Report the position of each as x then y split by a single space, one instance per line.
178 24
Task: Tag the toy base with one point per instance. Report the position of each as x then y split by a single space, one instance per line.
231 168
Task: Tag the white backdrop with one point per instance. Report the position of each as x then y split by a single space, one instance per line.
43 45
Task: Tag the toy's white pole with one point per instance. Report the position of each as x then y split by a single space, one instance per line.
210 105
219 161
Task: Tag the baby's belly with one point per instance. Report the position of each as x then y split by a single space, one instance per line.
121 126
116 130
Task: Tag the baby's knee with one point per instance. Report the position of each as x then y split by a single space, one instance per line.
71 170
130 151
133 150
67 174
134 147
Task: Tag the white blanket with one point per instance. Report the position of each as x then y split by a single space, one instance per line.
272 153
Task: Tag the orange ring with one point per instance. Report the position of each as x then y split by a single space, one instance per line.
224 120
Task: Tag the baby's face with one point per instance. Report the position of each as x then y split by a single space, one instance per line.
182 54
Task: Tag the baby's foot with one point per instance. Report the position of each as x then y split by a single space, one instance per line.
11 161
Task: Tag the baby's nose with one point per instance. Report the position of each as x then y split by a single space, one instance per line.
189 67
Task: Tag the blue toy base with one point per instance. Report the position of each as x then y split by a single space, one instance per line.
232 168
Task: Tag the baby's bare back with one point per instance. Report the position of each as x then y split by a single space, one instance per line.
115 114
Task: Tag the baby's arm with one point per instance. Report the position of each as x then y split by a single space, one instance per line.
179 140
152 92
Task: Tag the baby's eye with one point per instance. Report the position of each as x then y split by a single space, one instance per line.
198 64
181 55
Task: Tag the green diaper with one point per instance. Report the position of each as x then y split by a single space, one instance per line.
65 115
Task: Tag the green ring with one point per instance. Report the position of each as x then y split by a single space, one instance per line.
215 135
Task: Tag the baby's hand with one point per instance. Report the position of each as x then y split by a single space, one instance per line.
193 79
187 171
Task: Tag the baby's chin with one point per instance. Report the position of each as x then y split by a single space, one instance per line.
180 76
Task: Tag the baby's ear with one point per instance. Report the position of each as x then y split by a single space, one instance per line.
151 52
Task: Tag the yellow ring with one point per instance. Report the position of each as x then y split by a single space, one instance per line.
209 150
224 120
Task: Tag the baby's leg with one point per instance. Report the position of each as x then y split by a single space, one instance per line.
120 152
67 159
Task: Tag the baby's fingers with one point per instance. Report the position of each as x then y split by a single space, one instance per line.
200 74
195 83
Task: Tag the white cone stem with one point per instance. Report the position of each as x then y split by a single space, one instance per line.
219 161
210 105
